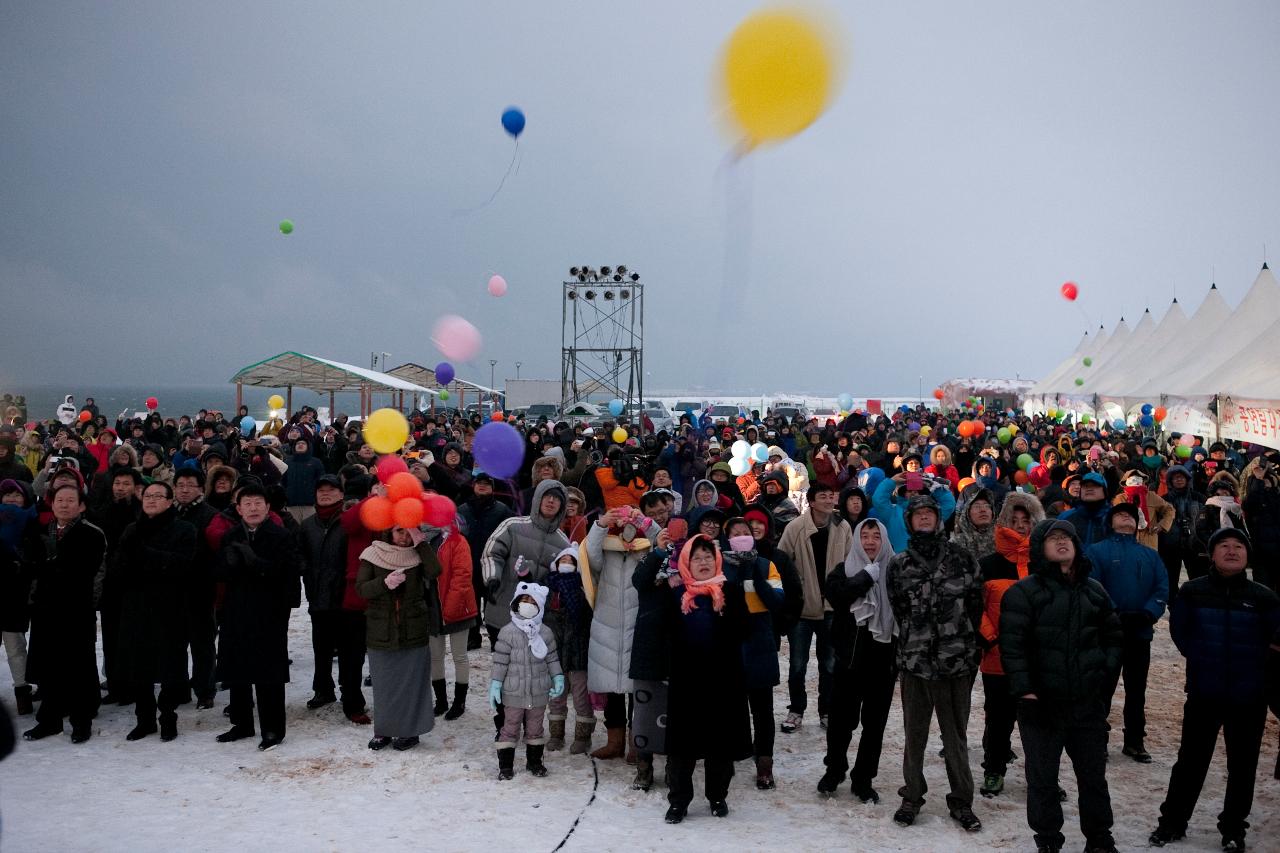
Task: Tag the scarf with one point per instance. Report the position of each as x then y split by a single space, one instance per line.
1227 506
873 611
927 545
384 555
326 513
1138 495
1014 548
532 629
713 587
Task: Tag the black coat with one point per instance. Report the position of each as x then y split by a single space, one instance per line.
152 570
707 713
113 518
853 645
1060 638
261 573
202 586
1224 627
650 643
1262 512
323 548
64 626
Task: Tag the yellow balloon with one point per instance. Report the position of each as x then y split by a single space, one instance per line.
386 430
275 401
620 435
778 74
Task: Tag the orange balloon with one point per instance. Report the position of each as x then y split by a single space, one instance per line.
85 416
1020 477
965 429
376 513
407 512
1160 413
979 427
497 416
965 483
403 485
937 393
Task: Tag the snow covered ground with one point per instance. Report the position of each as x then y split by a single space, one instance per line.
324 790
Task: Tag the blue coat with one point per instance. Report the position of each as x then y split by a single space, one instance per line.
893 512
1223 627
1091 527
1135 578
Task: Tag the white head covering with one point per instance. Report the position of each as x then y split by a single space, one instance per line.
873 610
532 627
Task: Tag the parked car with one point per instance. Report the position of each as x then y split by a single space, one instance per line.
656 411
789 411
692 407
825 414
583 413
725 413
537 411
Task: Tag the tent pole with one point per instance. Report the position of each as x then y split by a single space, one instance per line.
288 402
239 396
331 407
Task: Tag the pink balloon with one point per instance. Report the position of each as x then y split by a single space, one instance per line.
457 339
497 286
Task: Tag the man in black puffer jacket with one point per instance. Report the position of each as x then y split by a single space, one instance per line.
1223 623
1061 644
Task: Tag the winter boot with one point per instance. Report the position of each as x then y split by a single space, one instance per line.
442 696
168 726
906 813
42 730
582 730
459 705
764 773
555 735
644 773
506 763
992 784
22 696
964 816
864 792
615 747
533 760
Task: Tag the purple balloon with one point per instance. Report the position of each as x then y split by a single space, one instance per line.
444 373
914 426
498 449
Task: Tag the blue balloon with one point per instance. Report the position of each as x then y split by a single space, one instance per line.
904 408
845 401
1118 423
513 121
1147 421
247 426
616 407
1147 408
444 373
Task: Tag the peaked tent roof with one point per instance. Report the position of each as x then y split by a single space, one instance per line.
1065 384
1076 354
1049 385
1119 375
1155 365
313 373
1134 343
1249 335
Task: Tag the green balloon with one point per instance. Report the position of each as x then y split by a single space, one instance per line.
1024 460
443 395
1004 435
1079 381
286 226
1182 451
1088 362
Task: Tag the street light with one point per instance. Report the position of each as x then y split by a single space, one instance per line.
493 362
518 369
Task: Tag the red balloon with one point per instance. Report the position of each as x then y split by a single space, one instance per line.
407 512
1070 291
979 427
390 465
153 403
403 485
376 513
439 511
937 393
85 416
1020 477
1160 413
1039 476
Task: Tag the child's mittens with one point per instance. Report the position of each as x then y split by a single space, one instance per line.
495 695
557 686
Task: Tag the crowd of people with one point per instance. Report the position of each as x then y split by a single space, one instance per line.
647 586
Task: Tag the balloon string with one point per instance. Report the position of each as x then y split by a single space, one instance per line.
468 210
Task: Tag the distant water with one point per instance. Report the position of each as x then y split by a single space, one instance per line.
43 400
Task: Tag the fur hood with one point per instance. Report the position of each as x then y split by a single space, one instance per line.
1020 500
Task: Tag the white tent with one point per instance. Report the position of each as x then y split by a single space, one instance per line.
1155 365
1112 379
1052 383
1134 344
1082 349
1248 337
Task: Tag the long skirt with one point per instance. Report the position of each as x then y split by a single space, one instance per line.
402 699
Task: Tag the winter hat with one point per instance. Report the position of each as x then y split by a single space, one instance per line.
1223 533
356 488
532 626
1127 509
571 551
720 466
1094 478
922 502
755 513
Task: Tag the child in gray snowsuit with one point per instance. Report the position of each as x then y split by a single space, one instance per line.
526 673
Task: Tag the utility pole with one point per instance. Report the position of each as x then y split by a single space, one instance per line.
518 369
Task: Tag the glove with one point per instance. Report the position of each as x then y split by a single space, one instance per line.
521 571
495 695
394 580
415 536
491 587
873 571
557 686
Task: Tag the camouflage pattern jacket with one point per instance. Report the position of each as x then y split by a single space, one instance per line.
937 601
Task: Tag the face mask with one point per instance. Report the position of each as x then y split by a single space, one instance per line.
566 567
527 609
741 543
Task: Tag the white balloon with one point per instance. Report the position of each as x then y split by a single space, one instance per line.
760 452
739 465
740 449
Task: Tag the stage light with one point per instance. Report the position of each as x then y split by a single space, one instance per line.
608 296
635 276
573 271
605 270
573 294
624 293
590 295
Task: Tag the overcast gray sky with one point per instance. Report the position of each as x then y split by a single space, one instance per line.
978 155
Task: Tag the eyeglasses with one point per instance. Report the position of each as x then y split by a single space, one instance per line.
155 496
